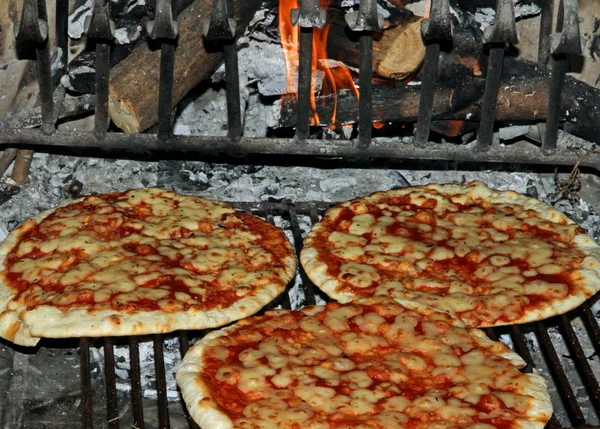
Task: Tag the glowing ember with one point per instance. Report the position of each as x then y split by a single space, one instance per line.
336 78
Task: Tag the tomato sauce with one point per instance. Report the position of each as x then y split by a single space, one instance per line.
461 268
115 223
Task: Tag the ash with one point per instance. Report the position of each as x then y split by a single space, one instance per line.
57 178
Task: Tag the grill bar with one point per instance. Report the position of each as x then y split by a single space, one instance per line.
275 146
558 373
86 382
102 71
161 384
583 365
136 383
112 407
304 84
365 82
165 90
490 97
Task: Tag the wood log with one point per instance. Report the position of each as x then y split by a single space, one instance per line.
398 51
134 82
521 98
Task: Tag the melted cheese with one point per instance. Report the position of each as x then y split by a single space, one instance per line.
387 365
135 246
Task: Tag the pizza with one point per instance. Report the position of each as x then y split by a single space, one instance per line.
137 262
484 256
373 364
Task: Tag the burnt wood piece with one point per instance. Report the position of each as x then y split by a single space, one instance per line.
20 172
459 96
398 51
134 82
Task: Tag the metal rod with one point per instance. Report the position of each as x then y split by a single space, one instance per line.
582 364
165 89
365 83
161 382
136 383
112 407
560 66
62 27
430 65
44 68
86 382
277 146
304 84
591 324
490 97
547 7
309 293
558 373
232 77
102 71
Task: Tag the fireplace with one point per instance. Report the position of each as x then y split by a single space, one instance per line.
468 109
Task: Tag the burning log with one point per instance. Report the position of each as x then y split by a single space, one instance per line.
522 97
398 51
133 87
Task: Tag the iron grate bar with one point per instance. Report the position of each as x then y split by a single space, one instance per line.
86 382
136 383
365 82
165 89
161 382
582 364
112 407
309 292
304 84
490 97
102 119
430 65
234 111
565 390
591 324
519 341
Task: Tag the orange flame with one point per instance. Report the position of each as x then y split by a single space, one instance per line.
336 78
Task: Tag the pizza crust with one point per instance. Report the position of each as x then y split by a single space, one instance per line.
26 327
586 278
210 414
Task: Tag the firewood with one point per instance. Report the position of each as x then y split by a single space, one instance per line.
523 96
20 172
134 82
6 159
398 51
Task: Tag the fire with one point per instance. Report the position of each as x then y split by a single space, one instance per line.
336 78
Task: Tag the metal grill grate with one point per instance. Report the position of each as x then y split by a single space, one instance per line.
532 341
436 30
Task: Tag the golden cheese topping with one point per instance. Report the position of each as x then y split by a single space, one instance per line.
484 256
367 365
145 250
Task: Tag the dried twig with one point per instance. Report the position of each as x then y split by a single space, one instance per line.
569 188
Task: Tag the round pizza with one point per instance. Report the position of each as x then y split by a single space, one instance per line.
137 262
372 364
484 256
